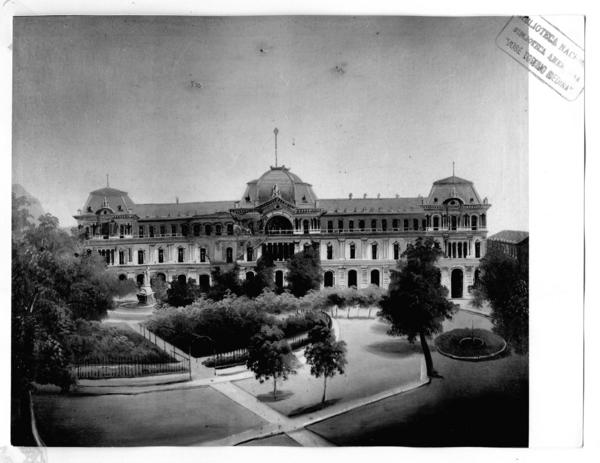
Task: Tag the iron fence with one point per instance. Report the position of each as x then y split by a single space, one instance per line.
127 367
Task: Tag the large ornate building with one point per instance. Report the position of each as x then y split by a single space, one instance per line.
360 239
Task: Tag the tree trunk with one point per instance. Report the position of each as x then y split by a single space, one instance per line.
324 389
427 354
274 388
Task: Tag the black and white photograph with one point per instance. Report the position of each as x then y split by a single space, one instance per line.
276 230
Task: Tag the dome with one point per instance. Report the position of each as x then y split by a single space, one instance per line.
108 198
279 181
453 188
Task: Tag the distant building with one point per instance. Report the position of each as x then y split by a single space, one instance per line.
359 239
512 243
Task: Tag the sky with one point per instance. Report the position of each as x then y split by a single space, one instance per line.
186 106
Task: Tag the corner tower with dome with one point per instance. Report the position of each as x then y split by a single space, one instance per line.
359 239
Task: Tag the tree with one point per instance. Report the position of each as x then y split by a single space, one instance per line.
270 356
182 293
505 284
304 271
416 303
324 354
263 278
224 282
20 216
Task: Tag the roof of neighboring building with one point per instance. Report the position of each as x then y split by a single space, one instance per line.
510 236
371 205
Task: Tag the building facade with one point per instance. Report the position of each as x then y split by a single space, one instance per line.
512 243
359 239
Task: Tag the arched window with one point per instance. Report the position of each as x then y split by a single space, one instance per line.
375 277
329 252
396 251
229 255
180 254
474 222
305 227
374 251
328 279
249 254
352 251
477 249
249 276
161 256
466 221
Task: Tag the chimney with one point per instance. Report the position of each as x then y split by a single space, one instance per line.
349 195
378 195
365 196
176 199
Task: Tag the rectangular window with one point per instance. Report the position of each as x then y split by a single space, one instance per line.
329 252
141 231
196 230
250 254
184 230
218 229
180 255
415 224
373 225
352 251
351 225
161 256
173 230
121 258
330 226
230 229
202 255
396 251
163 230
140 257
151 231
374 252
229 255
340 225
395 224
384 225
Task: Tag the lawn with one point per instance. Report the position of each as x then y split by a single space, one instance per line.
93 341
376 362
475 404
178 417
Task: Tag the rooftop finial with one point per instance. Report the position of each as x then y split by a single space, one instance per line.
107 185
276 131
453 168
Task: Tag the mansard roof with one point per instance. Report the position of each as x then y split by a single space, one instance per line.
110 198
174 210
371 205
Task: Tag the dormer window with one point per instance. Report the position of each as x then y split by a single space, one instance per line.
89 209
247 198
471 200
435 200
304 198
119 207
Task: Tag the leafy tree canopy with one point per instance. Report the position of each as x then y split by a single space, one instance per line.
304 272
